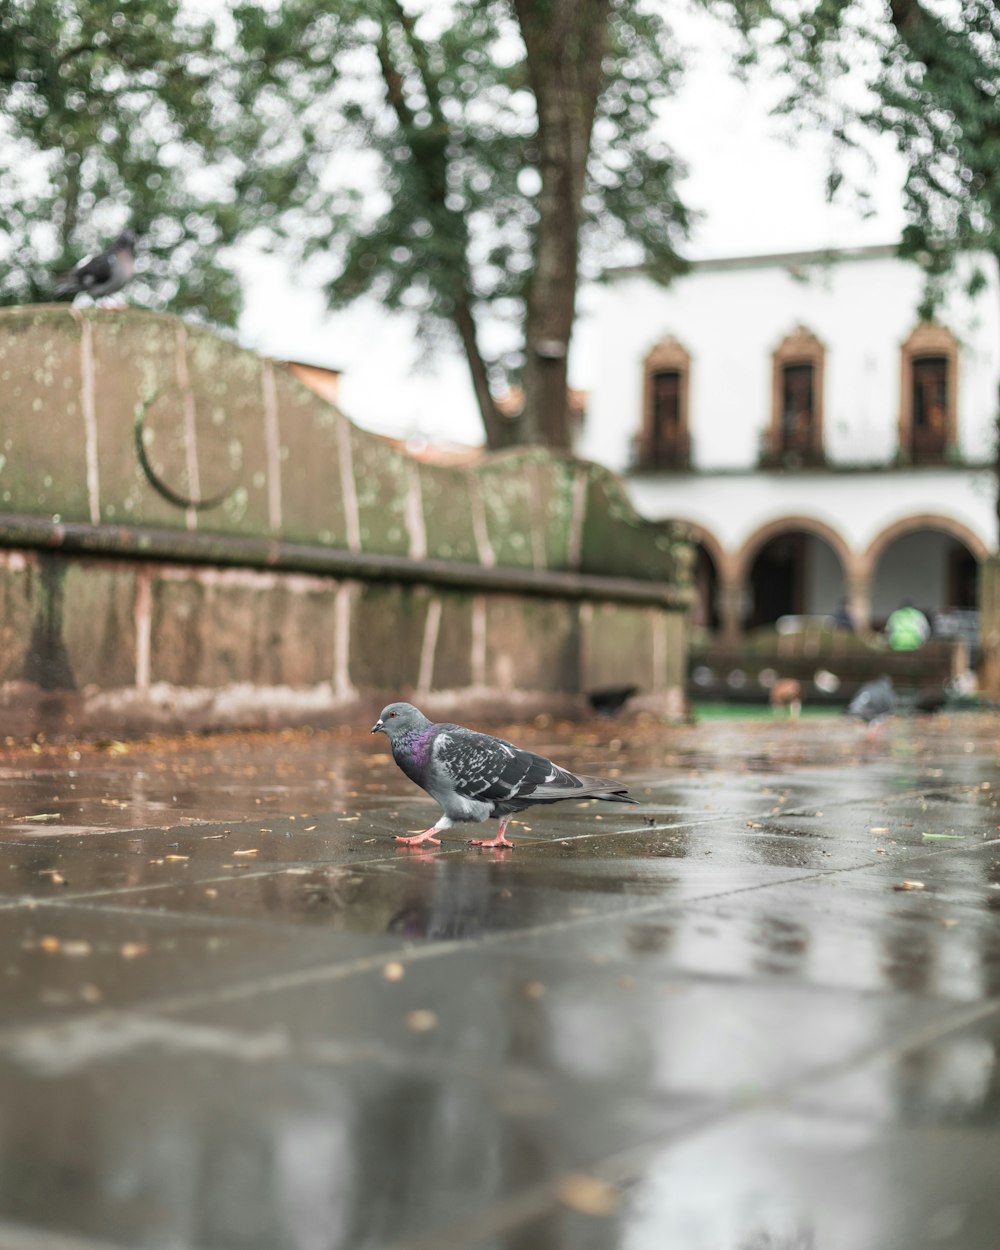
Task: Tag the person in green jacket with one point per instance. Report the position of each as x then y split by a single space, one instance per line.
907 628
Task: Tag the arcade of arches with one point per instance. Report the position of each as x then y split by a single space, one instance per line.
802 567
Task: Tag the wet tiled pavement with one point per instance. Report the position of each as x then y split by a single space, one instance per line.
238 1016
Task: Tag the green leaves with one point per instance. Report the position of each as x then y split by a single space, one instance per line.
113 111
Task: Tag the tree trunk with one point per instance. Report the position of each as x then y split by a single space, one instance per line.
497 433
565 42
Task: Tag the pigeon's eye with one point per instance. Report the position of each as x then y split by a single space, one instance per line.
393 713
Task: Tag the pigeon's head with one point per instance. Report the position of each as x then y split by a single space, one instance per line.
126 240
397 719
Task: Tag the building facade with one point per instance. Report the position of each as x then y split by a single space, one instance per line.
828 448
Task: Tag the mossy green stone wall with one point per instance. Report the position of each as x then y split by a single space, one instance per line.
141 427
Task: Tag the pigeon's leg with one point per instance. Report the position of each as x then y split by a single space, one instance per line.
427 835
499 840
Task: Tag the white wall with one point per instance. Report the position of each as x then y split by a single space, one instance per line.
731 319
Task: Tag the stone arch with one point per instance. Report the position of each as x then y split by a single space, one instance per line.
712 573
797 581
936 575
783 525
923 521
722 558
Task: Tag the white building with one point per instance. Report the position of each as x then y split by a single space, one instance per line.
824 444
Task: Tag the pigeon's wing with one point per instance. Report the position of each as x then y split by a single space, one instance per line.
492 770
95 270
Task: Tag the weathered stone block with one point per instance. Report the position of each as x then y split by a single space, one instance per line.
309 432
528 503
387 632
43 462
453 654
380 485
15 612
532 644
617 540
215 628
619 647
447 512
99 628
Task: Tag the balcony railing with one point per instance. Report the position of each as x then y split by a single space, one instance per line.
664 456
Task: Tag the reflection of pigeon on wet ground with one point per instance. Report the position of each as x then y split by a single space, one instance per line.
103 274
873 703
474 776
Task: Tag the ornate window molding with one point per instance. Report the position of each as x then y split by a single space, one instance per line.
928 394
795 435
664 441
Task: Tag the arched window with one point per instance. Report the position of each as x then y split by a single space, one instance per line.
796 434
928 424
664 441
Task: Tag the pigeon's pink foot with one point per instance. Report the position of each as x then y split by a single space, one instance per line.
426 836
499 840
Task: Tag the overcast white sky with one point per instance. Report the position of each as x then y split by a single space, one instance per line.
759 193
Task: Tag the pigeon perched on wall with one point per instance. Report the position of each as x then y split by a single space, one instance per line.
873 702
474 776
102 274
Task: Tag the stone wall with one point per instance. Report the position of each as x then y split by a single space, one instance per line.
192 538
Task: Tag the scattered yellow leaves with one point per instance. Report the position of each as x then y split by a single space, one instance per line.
74 947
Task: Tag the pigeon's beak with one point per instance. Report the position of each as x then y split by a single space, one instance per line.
378 726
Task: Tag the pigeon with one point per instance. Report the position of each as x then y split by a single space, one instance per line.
474 776
873 703
102 274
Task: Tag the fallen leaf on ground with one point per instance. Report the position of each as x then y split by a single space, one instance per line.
909 885
394 971
587 1194
422 1020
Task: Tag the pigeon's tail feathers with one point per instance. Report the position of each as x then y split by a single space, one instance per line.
66 287
581 788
